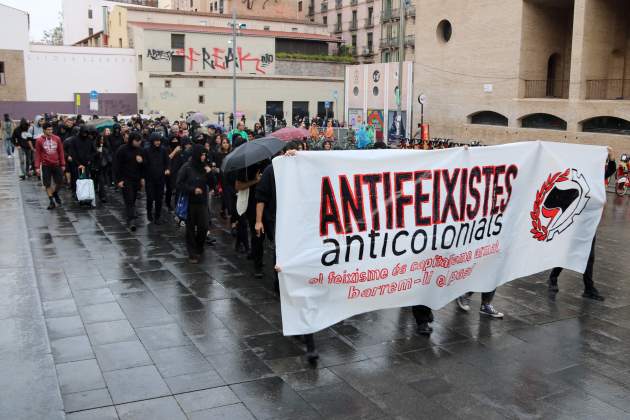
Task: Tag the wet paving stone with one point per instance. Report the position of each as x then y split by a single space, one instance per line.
129 329
155 409
232 412
110 332
135 384
122 355
71 349
209 398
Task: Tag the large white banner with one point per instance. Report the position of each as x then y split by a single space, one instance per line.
359 231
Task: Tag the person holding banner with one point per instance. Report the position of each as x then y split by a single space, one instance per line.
590 291
266 226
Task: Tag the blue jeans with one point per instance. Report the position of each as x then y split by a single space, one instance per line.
23 166
8 146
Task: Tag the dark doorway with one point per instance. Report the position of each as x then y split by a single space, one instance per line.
323 112
553 74
300 110
276 109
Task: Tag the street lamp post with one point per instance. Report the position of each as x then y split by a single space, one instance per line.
401 57
234 64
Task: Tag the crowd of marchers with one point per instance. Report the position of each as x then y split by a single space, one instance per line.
179 165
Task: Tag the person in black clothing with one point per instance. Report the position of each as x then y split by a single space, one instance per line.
227 194
99 168
246 180
170 179
70 167
23 145
194 180
266 227
178 157
82 153
129 175
590 291
157 169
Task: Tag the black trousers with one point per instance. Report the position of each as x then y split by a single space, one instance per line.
99 178
130 195
168 194
422 314
257 243
196 229
587 278
486 297
241 231
155 193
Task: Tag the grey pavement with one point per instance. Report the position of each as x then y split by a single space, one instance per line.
97 322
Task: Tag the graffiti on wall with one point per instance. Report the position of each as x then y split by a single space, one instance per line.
216 59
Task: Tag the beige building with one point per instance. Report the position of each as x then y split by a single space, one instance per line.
506 70
283 9
369 28
13 44
189 68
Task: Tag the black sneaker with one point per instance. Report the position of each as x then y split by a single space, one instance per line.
593 294
51 206
23 177
424 328
57 199
312 356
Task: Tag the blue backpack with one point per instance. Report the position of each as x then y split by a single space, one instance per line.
181 210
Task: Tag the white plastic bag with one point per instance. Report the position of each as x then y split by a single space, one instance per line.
85 190
242 198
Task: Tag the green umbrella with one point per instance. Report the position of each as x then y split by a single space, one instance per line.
101 123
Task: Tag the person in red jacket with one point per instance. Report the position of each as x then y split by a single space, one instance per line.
49 157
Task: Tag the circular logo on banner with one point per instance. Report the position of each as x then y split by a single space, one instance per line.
376 76
441 280
561 197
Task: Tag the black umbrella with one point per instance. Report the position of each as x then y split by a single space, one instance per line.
252 152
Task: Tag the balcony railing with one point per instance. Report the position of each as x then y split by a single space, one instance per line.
547 89
338 28
390 14
410 41
324 7
410 11
608 89
369 1
368 52
338 4
369 23
354 25
391 42
354 2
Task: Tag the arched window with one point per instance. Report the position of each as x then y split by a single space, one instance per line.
606 124
544 121
488 118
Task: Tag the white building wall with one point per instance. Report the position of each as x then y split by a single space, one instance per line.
55 73
76 21
14 29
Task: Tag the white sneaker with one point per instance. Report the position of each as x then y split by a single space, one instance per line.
464 303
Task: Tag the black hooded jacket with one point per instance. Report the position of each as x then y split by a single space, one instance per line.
193 175
156 162
83 148
126 167
115 140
